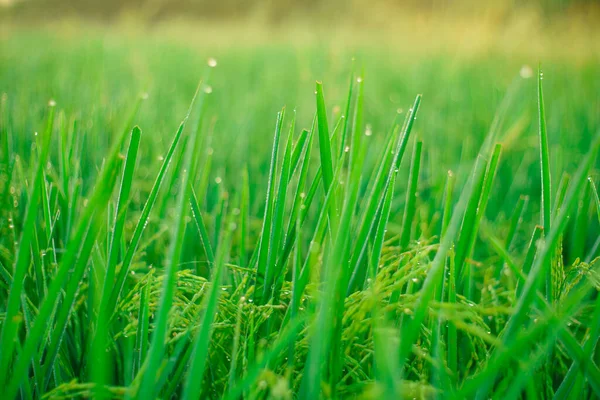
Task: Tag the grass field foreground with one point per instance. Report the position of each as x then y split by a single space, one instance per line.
180 221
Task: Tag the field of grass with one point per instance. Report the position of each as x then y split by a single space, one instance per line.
183 217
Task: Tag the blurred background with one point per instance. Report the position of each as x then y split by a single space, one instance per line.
466 57
278 11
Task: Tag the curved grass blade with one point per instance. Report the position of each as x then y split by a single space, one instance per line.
77 253
149 373
273 269
367 224
265 236
204 238
545 175
98 347
324 140
411 195
449 189
143 220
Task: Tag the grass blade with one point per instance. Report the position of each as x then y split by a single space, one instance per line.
411 196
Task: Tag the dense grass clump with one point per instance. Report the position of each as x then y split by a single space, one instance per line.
337 256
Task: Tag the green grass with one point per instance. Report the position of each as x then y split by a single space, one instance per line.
391 232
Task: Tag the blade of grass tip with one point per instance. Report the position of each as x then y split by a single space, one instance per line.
193 382
299 197
172 181
204 238
324 141
98 367
411 195
367 223
145 215
449 189
371 200
47 218
75 257
545 174
565 390
382 228
148 376
515 220
265 236
317 240
411 329
74 189
302 201
347 126
540 267
8 335
357 151
64 162
272 270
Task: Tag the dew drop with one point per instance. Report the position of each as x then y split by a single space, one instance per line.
526 72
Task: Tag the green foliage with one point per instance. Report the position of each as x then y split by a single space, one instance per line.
314 263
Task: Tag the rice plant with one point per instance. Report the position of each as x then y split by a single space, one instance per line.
341 263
